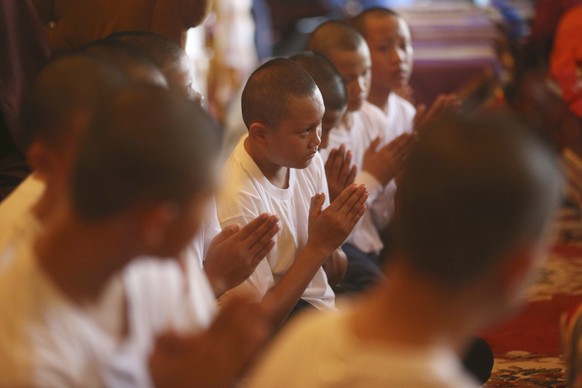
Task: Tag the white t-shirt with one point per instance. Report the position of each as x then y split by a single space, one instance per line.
247 194
47 340
320 350
400 114
400 120
197 249
366 124
15 219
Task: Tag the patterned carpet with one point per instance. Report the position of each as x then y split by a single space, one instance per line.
527 348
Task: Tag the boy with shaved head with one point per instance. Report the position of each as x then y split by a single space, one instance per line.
469 233
277 169
388 37
338 168
376 150
79 308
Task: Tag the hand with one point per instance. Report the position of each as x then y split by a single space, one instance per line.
235 252
384 164
330 227
339 171
444 105
216 357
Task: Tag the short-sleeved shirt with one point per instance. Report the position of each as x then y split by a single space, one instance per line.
247 193
365 125
321 350
48 340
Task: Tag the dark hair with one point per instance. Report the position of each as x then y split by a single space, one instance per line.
334 35
70 85
359 21
328 80
131 61
164 52
147 143
266 95
473 188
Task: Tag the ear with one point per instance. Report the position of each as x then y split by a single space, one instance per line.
40 159
155 223
258 133
518 269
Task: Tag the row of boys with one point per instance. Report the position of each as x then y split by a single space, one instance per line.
125 174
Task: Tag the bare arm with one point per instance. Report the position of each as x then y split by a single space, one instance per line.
327 230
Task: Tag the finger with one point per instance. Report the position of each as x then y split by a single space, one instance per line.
420 115
337 204
330 160
256 243
346 166
373 145
357 201
358 214
316 203
225 233
338 162
262 253
259 232
396 144
249 228
352 176
350 201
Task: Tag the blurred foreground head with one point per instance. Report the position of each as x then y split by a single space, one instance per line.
148 151
476 194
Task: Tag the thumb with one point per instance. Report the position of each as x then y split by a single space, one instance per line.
316 203
373 145
225 233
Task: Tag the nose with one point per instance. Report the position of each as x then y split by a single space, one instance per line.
397 55
315 139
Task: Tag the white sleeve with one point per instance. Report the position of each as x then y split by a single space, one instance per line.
372 184
240 209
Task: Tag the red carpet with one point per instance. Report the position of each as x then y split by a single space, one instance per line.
527 348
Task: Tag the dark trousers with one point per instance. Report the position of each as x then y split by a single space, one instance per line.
363 271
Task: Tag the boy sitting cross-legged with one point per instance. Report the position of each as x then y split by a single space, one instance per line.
276 169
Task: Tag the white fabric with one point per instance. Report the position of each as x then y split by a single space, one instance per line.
321 350
366 124
400 114
47 340
400 120
210 228
247 194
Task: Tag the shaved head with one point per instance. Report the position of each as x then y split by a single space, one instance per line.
146 144
269 89
131 61
326 77
473 189
167 55
66 92
359 22
334 35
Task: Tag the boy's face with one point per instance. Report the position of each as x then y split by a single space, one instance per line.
391 51
355 69
331 119
295 140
